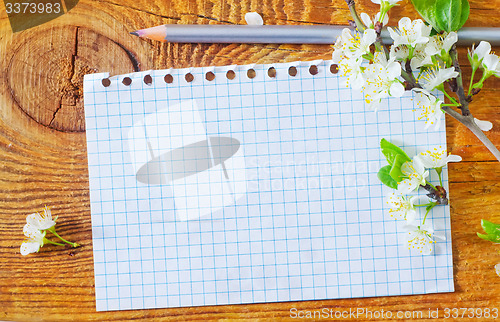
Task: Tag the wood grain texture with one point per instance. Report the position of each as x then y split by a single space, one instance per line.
43 149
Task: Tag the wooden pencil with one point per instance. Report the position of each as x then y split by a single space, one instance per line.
283 34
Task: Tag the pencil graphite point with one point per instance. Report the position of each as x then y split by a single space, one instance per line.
155 33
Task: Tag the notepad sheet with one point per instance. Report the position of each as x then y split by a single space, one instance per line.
247 190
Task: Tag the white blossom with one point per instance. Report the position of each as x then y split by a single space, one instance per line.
430 108
34 241
401 208
419 59
437 158
351 68
399 53
369 23
483 125
491 65
477 54
435 76
410 33
380 58
415 174
381 82
497 269
41 221
349 46
440 44
421 238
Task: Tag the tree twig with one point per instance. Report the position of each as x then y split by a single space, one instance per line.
407 74
438 194
468 121
466 117
352 8
460 86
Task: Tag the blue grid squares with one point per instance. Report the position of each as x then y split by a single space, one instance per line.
248 190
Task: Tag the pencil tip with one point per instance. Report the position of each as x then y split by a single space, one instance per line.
135 33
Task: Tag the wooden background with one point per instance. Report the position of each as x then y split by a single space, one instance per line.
43 151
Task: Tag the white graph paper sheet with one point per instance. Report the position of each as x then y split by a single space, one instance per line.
249 190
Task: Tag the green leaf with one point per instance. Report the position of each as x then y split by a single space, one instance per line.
450 13
492 231
396 172
427 9
490 238
390 151
385 177
396 158
443 15
465 13
489 227
390 155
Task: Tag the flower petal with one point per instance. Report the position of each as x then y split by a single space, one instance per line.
450 40
490 62
366 19
436 158
438 124
449 73
426 160
34 234
404 22
386 19
439 235
254 19
393 70
369 36
482 50
418 165
29 230
28 247
41 222
407 186
394 35
34 219
484 125
411 215
397 89
427 249
454 158
421 90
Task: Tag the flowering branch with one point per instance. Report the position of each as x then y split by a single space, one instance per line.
425 61
36 229
466 118
406 176
415 49
435 58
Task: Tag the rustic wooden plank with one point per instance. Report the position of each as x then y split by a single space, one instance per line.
43 150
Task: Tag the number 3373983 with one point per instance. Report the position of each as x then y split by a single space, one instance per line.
33 8
471 313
